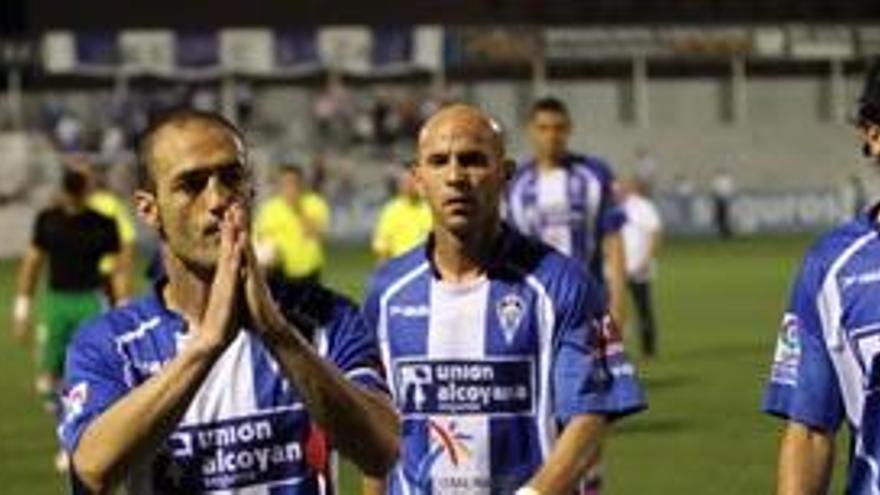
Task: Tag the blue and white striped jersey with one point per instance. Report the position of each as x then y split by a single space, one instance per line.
485 374
569 208
826 367
246 430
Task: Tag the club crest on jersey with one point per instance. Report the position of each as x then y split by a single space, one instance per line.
510 310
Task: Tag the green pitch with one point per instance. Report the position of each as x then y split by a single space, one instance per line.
718 307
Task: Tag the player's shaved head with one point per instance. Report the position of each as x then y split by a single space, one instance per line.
461 117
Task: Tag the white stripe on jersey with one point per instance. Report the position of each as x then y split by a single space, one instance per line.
594 200
849 373
382 332
457 330
228 390
552 202
384 347
127 337
546 323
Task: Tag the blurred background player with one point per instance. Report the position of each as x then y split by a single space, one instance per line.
290 228
72 238
642 236
567 200
478 308
826 368
404 221
723 191
117 270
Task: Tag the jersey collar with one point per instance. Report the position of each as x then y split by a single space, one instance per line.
500 252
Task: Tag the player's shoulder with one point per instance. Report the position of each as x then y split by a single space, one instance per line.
639 204
48 212
553 271
99 218
312 305
106 202
525 169
272 205
839 242
314 197
136 317
393 206
398 268
594 164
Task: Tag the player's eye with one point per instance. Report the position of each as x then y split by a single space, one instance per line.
473 159
193 183
232 176
437 160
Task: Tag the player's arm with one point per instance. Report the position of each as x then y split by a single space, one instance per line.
567 463
131 429
806 456
593 384
361 424
615 265
28 274
804 389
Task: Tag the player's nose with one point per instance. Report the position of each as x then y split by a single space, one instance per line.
218 196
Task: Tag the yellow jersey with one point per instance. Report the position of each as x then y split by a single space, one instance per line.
109 205
298 252
403 224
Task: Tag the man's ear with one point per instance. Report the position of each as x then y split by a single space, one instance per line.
415 172
147 208
872 134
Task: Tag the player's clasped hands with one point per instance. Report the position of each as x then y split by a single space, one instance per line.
265 317
237 275
219 323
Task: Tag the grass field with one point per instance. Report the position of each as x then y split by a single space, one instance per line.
718 304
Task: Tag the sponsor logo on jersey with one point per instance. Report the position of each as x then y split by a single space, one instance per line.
75 400
872 277
446 441
414 311
234 453
491 386
788 351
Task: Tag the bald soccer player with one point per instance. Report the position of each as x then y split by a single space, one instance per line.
499 350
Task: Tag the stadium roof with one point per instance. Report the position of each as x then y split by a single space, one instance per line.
35 15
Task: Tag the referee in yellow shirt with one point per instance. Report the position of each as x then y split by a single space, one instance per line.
290 229
404 221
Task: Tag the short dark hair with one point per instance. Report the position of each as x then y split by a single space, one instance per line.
74 183
548 104
291 168
175 116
